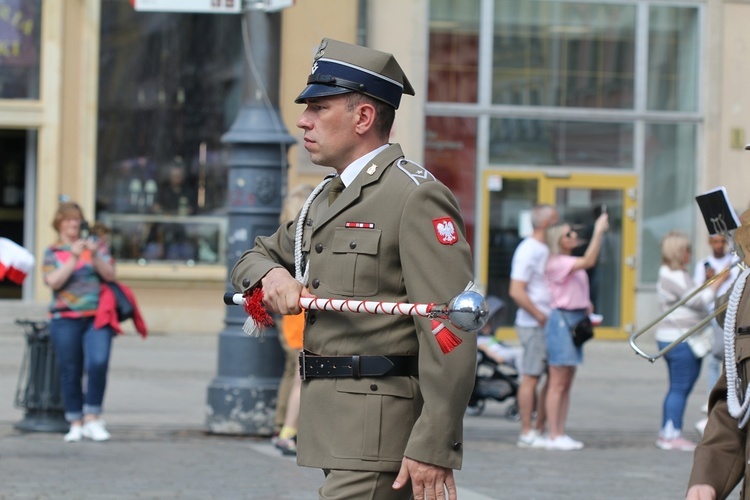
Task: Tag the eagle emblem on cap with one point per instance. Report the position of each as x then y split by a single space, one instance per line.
445 230
314 67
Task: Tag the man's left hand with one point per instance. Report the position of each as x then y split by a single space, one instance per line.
428 482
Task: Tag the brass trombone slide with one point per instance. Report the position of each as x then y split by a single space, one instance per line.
697 328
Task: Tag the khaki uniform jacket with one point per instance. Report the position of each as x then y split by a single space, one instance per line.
722 459
372 423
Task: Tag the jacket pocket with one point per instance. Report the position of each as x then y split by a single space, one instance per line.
385 410
355 261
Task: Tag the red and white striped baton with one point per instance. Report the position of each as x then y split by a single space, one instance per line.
467 311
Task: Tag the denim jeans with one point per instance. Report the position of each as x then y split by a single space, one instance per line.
684 369
81 349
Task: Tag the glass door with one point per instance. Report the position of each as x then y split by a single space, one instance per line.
17 181
508 199
12 176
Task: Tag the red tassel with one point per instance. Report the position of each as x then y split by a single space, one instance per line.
446 339
254 308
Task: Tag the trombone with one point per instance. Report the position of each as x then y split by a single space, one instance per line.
697 328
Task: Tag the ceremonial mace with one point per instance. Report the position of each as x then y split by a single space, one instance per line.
468 311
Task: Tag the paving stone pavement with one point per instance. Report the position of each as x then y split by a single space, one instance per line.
155 409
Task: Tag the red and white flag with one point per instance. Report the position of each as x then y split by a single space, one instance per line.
15 261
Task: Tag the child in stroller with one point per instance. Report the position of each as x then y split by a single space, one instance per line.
497 367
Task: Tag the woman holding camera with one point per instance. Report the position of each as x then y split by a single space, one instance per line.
74 268
568 285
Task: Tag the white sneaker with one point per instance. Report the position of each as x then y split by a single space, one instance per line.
563 443
74 434
676 444
573 442
531 439
94 430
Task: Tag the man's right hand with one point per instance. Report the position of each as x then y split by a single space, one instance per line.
281 292
701 492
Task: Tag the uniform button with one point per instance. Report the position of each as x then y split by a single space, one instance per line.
319 247
353 244
373 387
457 446
246 282
315 283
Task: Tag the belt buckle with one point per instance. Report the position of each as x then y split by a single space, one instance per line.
302 368
355 366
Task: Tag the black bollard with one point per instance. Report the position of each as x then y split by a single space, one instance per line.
38 390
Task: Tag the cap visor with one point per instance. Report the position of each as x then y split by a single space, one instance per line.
318 90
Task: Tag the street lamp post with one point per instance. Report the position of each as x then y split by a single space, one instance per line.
241 398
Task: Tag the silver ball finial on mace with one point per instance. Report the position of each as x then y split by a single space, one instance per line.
468 311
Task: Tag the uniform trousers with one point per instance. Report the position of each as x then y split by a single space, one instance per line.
364 485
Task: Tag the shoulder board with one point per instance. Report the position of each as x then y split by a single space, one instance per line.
416 172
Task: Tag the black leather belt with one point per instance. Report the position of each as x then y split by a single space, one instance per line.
314 366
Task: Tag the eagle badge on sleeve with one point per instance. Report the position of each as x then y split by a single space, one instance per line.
445 230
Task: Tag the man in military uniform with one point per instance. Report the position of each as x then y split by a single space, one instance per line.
382 406
722 459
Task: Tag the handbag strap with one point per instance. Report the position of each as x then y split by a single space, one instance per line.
565 319
567 323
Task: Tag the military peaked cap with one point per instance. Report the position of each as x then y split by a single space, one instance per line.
340 67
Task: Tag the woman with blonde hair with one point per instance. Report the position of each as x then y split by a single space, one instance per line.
684 360
568 285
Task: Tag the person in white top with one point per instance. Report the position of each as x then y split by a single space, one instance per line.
684 360
705 269
529 291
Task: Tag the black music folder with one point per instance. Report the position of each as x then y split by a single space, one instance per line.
718 214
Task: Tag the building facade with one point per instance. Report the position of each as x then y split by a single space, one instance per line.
628 106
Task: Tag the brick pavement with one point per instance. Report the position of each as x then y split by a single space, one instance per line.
155 409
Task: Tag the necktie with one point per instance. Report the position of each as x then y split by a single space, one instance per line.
337 185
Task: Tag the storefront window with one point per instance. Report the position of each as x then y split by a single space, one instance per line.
451 155
668 190
673 59
454 51
20 29
516 141
567 54
170 86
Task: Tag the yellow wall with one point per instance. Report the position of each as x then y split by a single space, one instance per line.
734 105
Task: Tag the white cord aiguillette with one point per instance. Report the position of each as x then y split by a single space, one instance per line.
298 275
737 410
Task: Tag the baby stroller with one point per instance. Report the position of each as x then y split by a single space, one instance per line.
494 379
